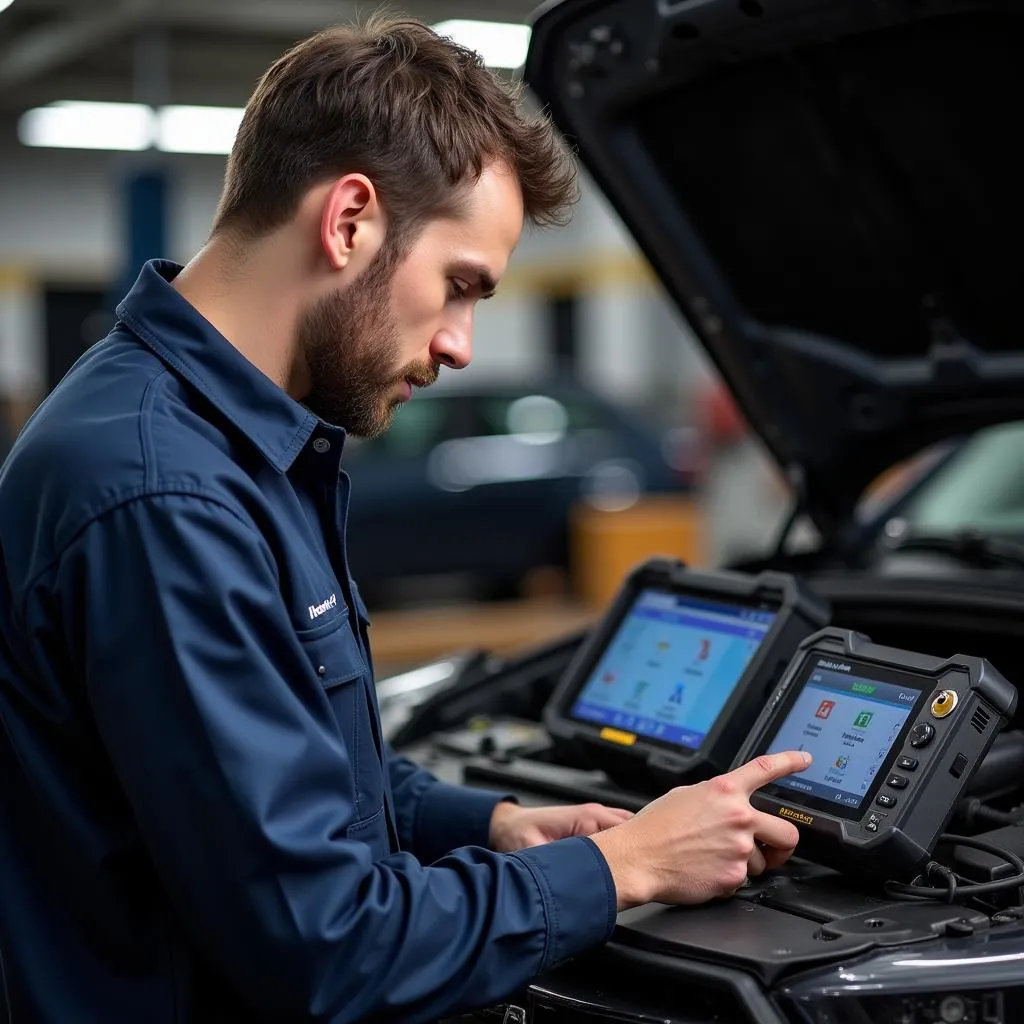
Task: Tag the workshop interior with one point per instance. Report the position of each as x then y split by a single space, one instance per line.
738 466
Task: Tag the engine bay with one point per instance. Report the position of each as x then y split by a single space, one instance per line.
744 958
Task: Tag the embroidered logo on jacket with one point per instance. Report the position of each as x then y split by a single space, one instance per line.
316 610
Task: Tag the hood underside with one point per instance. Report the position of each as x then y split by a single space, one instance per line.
831 192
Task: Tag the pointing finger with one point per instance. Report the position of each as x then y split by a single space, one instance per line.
769 768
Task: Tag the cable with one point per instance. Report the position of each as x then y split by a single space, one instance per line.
991 816
954 887
973 810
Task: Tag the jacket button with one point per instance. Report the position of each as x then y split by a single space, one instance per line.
322 670
321 445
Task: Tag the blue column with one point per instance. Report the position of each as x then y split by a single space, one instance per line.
145 195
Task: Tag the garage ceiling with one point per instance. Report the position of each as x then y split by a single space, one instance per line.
207 52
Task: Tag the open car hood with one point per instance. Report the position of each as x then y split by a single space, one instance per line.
831 192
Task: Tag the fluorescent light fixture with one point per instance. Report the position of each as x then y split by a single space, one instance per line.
500 44
73 124
197 129
4 4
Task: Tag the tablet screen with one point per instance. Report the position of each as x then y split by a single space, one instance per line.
849 717
671 666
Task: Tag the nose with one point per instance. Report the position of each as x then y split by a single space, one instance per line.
452 346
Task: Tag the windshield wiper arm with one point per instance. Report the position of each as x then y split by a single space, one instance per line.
969 546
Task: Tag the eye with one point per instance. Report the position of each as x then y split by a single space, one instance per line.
457 290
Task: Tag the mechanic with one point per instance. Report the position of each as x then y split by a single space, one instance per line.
200 820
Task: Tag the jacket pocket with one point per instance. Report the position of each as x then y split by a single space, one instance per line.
372 831
338 664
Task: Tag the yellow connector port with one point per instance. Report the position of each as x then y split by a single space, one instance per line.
943 702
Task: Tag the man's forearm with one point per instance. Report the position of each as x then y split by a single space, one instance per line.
434 817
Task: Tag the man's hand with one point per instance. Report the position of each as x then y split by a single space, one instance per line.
699 842
515 828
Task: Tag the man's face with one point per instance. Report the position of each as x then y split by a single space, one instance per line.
368 345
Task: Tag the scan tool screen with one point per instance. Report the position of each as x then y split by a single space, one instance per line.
849 718
671 666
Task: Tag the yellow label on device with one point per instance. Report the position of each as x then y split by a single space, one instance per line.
626 739
788 812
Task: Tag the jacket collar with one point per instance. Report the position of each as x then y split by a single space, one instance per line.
189 344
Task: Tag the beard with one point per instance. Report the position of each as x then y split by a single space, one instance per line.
352 346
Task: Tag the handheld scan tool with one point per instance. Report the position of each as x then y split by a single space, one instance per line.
668 684
895 738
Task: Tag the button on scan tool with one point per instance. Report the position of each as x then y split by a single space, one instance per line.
873 821
943 703
885 800
907 764
897 781
922 734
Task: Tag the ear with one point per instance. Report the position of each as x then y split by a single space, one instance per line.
351 221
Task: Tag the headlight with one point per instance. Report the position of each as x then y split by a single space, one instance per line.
962 981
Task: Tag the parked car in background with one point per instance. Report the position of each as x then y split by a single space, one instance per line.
478 482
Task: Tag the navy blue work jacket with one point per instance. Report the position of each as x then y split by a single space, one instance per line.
199 819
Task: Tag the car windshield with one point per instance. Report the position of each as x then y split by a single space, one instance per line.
980 488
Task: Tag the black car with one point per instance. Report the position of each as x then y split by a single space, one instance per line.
500 467
831 192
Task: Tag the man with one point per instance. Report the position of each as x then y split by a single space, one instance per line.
200 819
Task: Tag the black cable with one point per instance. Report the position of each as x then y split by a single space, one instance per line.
973 810
954 887
991 816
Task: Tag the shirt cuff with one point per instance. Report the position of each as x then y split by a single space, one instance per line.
453 816
578 893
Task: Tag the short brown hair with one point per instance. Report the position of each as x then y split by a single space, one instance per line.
417 114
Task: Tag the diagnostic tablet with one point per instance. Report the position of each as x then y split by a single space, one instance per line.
669 683
895 737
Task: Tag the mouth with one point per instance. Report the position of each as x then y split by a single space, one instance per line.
417 377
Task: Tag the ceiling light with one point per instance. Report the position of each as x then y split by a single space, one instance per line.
197 129
500 44
4 4
73 124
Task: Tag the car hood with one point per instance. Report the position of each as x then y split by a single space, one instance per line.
832 194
